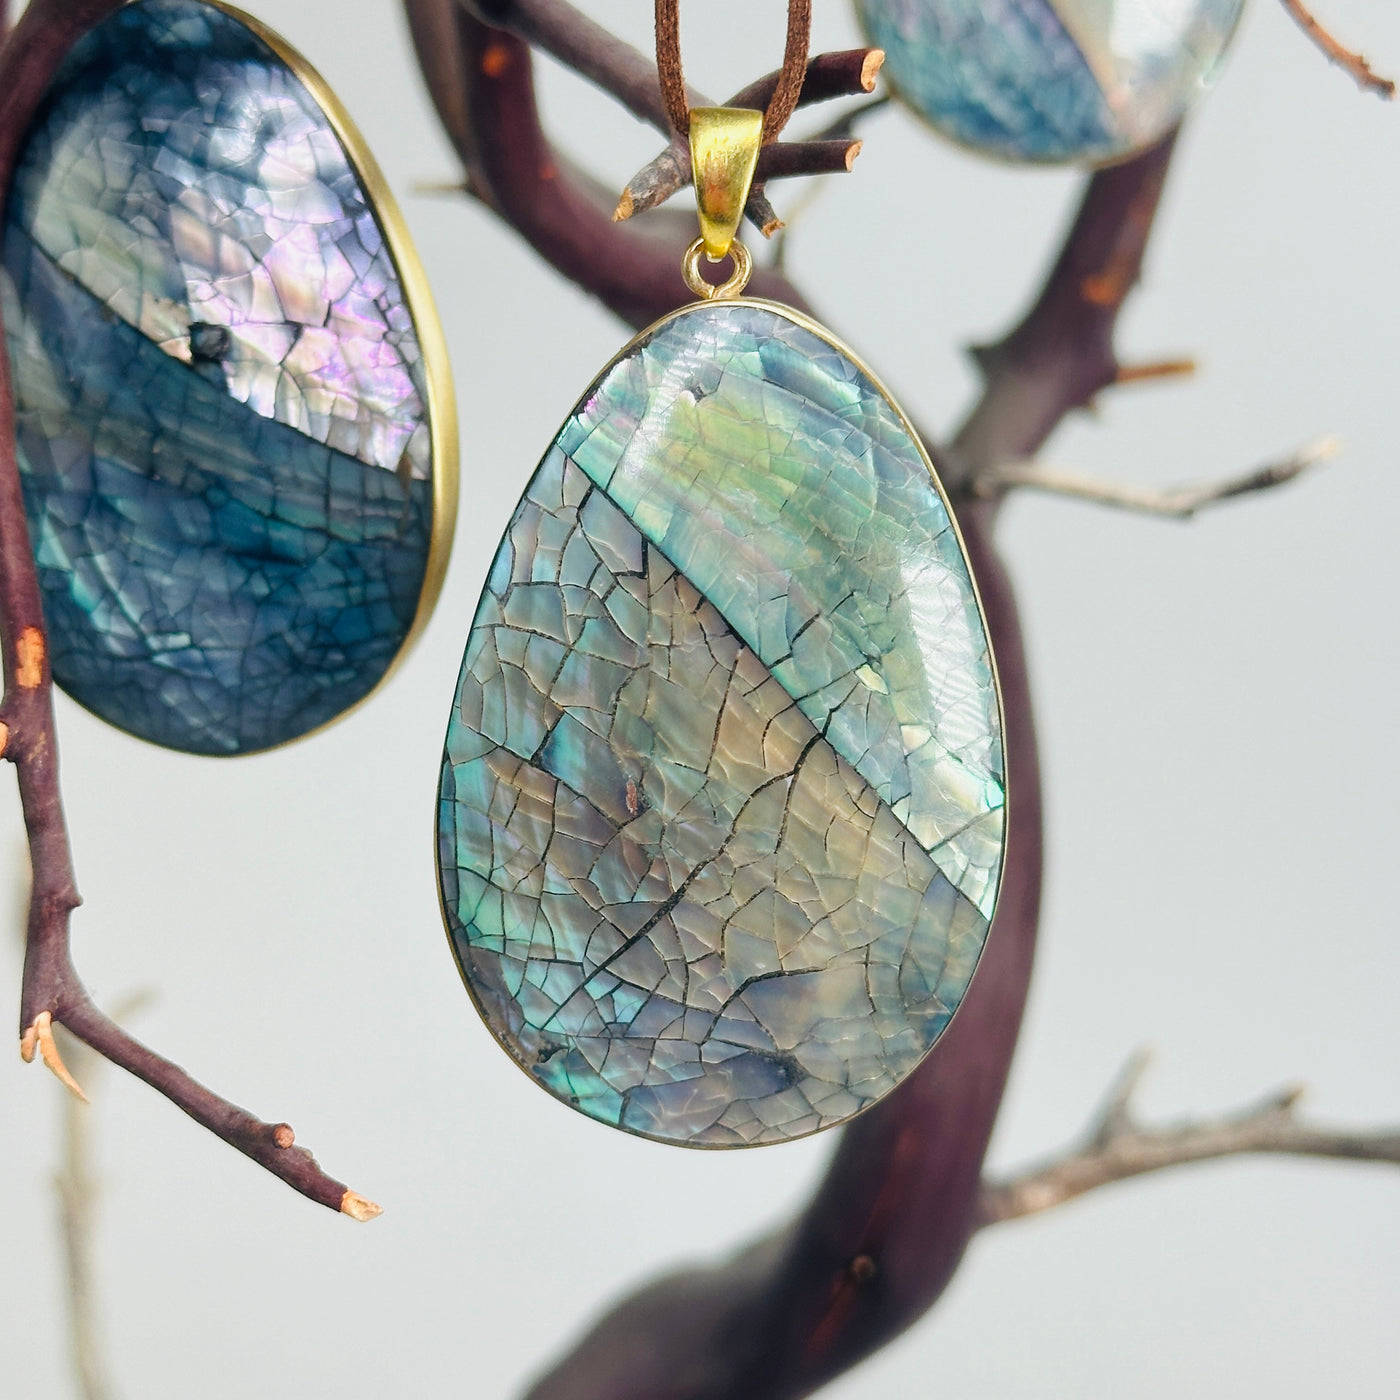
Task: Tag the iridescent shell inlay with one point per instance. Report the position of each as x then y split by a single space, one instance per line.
1051 80
238 464
722 800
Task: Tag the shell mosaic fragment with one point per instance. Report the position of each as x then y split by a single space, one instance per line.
222 407
721 806
1051 80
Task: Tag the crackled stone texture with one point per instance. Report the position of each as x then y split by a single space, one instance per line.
722 802
221 405
1051 80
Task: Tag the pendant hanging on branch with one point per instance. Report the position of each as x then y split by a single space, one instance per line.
722 802
233 410
1051 80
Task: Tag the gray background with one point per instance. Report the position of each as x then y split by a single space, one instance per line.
1221 761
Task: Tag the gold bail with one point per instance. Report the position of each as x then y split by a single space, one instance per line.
724 144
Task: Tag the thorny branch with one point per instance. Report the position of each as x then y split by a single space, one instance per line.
52 991
1348 59
1118 1147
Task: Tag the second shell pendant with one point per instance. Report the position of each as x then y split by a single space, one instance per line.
721 808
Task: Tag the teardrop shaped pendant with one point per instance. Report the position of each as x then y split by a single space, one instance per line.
722 804
1051 81
233 409
721 811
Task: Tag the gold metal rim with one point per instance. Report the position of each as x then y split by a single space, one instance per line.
822 333
727 290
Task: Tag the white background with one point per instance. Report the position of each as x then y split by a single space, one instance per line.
1217 718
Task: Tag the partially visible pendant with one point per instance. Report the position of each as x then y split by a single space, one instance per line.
233 409
1051 80
721 813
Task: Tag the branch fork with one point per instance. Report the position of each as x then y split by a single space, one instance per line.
1178 502
845 74
1117 1147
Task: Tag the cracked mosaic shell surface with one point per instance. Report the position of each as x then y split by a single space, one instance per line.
721 815
1051 80
225 424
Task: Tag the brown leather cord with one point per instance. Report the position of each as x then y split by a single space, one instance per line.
784 100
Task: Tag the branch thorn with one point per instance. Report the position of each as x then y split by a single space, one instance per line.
1116 1115
358 1208
39 1037
1155 369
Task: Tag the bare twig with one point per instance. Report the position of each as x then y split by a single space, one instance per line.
78 1193
1180 502
52 991
829 75
670 171
1117 1147
1348 59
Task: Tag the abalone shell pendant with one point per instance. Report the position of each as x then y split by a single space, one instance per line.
721 813
233 410
1085 81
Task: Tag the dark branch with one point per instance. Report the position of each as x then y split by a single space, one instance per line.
482 83
1062 353
583 45
52 991
888 1226
630 77
829 75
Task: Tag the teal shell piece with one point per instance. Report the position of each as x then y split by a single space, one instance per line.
722 804
1083 81
223 414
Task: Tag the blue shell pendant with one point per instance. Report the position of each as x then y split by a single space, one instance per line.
721 814
233 410
1084 81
